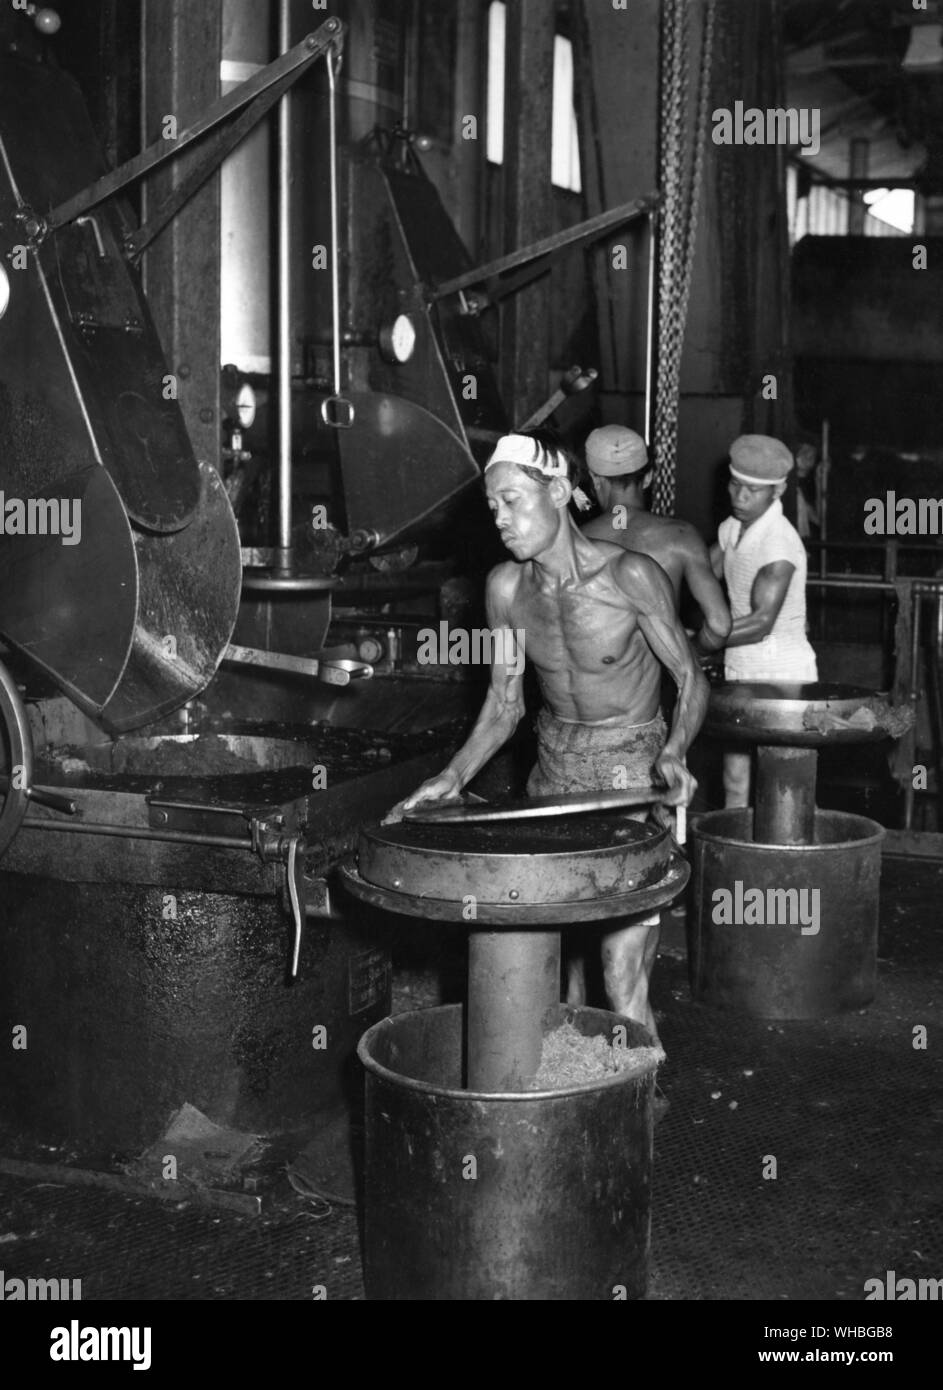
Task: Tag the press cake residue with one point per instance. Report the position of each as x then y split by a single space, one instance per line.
569 1058
872 713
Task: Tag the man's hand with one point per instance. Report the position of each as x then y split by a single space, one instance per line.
445 787
681 785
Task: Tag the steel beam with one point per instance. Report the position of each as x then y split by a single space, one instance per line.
182 48
528 209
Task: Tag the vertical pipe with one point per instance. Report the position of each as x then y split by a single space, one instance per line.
650 326
784 812
823 526
513 979
914 668
283 328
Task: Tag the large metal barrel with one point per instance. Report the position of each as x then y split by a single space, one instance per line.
136 999
785 931
469 1195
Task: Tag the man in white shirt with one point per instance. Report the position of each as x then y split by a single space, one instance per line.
761 556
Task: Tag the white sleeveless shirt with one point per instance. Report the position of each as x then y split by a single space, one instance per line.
784 654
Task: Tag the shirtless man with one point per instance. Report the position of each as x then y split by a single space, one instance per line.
617 460
597 622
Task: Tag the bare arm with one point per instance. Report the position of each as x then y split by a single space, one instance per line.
717 560
650 592
500 713
767 595
706 590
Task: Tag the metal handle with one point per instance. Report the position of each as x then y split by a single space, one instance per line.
337 412
19 740
53 801
294 897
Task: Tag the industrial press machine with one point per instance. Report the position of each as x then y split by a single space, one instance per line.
186 754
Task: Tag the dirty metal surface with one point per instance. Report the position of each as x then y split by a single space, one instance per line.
521 914
811 715
554 860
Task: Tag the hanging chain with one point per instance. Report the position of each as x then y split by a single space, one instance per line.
677 227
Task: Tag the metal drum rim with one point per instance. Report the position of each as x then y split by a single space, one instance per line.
655 840
875 834
410 1083
551 914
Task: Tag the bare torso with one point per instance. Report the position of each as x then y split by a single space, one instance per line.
583 638
671 543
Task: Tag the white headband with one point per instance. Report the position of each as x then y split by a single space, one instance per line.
527 453
756 482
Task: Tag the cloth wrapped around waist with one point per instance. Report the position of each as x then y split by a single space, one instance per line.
593 757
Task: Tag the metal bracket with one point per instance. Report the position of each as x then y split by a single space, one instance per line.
295 63
201 817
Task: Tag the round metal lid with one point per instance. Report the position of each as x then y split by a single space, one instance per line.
553 860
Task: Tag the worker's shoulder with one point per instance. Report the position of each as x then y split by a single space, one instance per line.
633 568
503 580
783 536
601 528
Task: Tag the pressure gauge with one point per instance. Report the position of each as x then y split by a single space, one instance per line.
245 406
398 340
4 289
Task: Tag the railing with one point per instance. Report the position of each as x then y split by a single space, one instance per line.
916 592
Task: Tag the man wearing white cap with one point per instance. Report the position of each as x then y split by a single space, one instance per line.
618 464
598 622
761 556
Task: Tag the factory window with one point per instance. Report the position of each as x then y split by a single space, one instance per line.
816 210
892 205
564 148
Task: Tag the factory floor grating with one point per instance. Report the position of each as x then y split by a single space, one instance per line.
848 1108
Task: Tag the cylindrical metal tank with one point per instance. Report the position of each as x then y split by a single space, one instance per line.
785 931
523 1196
136 999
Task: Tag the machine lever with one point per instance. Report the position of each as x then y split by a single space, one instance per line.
334 671
295 898
575 380
51 800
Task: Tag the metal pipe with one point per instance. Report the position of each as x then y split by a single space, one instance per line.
283 327
650 325
513 980
784 813
936 696
137 832
914 668
335 234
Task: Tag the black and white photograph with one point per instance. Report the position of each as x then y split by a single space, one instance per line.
471 668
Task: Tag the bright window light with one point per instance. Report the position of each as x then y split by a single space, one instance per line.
892 205
564 148
495 147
